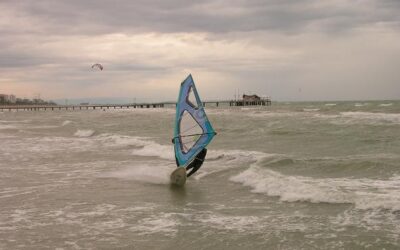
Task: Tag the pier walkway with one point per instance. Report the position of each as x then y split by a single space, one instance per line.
38 107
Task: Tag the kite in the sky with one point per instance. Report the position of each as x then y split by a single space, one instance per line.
97 65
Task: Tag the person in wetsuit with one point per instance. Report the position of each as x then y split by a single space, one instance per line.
197 162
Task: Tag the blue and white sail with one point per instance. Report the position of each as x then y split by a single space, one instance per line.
193 130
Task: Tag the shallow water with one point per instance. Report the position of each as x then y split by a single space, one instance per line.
291 176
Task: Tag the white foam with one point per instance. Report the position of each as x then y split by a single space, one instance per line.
154 149
65 123
371 219
164 223
84 133
385 104
310 110
144 146
363 193
330 104
99 210
360 104
155 174
217 160
122 140
222 160
15 121
43 127
372 117
274 114
147 147
226 222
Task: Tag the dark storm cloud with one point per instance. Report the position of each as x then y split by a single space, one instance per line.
100 16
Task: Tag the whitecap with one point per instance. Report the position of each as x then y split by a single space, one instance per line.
362 193
122 140
65 123
371 117
385 104
164 223
154 149
310 110
360 104
84 133
155 174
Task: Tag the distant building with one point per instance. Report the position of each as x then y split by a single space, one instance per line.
7 98
12 99
3 98
251 98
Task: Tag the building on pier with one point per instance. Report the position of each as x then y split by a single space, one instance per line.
251 100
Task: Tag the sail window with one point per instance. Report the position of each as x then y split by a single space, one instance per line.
190 131
191 98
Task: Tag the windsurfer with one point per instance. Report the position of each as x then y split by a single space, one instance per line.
197 162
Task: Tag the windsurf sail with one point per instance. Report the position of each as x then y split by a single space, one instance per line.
193 130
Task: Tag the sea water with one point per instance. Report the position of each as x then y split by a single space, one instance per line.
323 175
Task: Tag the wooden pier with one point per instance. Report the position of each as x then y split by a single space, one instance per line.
38 107
79 107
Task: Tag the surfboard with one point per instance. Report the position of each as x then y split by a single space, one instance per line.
193 131
178 176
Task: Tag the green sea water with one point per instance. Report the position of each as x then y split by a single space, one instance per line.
308 175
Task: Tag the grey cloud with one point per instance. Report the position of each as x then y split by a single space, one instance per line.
26 26
103 16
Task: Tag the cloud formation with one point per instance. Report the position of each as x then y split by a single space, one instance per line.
329 49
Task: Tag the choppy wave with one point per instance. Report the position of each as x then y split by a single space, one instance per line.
15 121
349 117
43 127
385 104
360 104
226 222
165 223
65 123
122 140
7 126
362 193
84 133
368 116
155 174
151 148
311 109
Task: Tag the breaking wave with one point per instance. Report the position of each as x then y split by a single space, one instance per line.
84 133
386 104
368 116
310 110
362 193
142 173
65 123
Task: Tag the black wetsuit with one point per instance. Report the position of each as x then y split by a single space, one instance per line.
197 162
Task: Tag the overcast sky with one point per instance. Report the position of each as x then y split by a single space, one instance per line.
289 50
